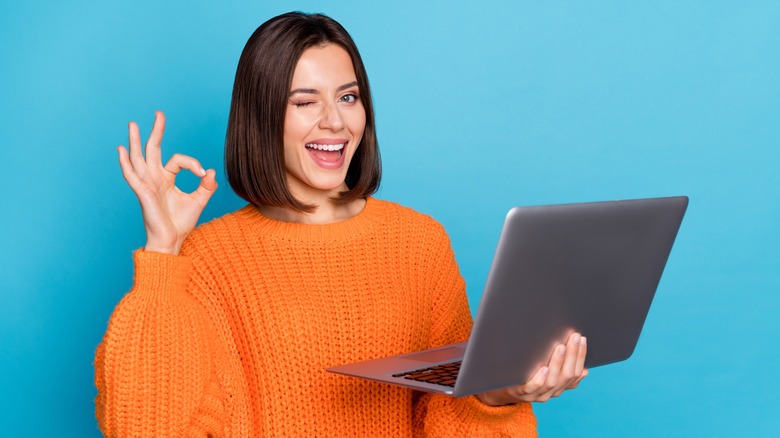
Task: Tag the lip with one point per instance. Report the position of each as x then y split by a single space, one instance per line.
329 165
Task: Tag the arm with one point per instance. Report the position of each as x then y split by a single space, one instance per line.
155 369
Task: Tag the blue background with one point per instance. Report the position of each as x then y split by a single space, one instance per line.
480 107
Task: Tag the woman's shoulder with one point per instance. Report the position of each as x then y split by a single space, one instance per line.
408 217
234 219
216 231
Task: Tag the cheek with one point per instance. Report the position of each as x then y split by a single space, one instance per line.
357 123
295 126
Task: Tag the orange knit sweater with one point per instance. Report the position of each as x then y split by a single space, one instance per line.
232 337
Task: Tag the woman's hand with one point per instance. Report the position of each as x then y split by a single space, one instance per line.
564 371
169 214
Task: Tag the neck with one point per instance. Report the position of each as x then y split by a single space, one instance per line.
325 213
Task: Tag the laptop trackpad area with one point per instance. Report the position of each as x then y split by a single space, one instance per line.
443 355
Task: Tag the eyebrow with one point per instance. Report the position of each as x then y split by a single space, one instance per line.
313 91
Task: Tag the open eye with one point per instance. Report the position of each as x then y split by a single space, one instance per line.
349 98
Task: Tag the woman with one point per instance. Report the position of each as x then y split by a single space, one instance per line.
229 327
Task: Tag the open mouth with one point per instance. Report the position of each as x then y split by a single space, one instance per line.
327 153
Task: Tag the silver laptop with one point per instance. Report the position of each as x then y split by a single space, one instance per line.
590 267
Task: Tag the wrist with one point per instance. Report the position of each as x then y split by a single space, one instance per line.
162 245
163 249
494 398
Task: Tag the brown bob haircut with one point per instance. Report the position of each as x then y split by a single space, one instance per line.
254 144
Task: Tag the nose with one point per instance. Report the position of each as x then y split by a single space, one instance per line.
331 119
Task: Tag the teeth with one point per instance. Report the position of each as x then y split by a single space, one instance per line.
326 147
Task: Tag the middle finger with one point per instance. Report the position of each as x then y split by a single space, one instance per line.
136 157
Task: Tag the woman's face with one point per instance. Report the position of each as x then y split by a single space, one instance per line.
323 124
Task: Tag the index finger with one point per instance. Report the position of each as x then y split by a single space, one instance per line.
583 350
153 149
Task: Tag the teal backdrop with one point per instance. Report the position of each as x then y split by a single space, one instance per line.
480 106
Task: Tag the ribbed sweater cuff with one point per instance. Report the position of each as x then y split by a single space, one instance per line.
468 416
156 271
471 406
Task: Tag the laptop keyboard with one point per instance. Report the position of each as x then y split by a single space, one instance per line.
444 374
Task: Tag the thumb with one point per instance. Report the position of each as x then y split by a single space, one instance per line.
207 187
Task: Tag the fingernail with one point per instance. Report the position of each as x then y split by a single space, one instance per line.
202 171
583 341
545 370
576 338
561 350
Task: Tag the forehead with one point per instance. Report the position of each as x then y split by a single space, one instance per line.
323 66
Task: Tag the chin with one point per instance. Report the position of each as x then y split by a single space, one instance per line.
327 184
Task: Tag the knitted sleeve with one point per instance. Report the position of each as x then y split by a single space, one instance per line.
155 369
442 416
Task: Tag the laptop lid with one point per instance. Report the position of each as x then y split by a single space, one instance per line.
589 267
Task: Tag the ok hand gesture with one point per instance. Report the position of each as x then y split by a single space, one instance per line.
169 214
